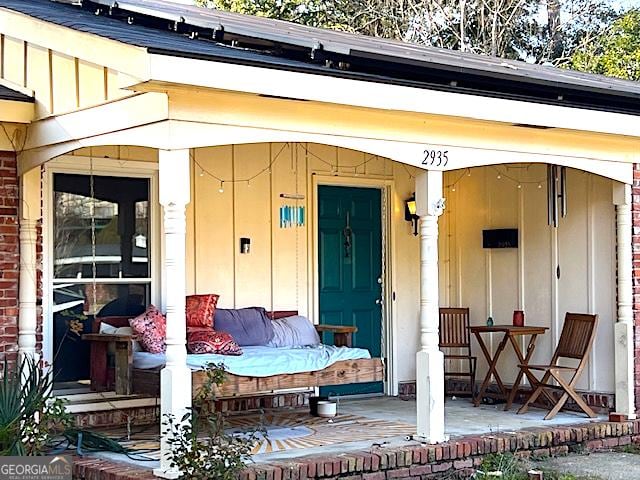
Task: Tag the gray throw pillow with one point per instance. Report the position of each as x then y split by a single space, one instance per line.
296 331
247 326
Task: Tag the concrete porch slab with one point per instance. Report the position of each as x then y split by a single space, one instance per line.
361 425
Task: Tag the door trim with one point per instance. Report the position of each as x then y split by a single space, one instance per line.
386 188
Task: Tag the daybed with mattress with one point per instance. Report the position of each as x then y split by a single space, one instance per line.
259 369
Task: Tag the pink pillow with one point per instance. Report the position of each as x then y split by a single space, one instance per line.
210 341
151 328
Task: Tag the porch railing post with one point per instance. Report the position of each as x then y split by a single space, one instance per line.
429 360
28 289
624 340
175 378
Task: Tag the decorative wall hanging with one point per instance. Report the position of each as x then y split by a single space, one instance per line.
556 193
292 216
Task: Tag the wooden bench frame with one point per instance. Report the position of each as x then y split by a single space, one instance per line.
129 380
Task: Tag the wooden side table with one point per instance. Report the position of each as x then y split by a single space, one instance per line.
123 362
342 334
510 334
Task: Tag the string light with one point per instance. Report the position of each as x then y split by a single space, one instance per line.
499 175
519 183
335 170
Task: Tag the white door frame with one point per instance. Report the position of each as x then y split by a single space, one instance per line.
104 167
386 187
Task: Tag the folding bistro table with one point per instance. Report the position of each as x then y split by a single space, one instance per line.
510 334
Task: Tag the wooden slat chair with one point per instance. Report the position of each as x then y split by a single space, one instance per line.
455 342
576 341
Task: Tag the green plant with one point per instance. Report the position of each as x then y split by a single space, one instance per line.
200 447
513 468
633 448
508 464
30 417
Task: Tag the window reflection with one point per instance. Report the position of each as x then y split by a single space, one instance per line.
120 213
75 308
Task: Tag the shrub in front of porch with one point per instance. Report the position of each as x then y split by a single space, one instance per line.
30 417
201 448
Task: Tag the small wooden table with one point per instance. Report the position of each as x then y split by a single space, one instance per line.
124 359
510 333
342 334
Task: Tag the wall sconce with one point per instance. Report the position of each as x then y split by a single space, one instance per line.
410 212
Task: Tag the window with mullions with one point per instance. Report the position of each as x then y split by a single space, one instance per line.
101 260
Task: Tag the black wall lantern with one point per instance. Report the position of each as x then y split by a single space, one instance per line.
410 212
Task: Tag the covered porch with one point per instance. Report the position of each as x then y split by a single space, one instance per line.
281 272
219 167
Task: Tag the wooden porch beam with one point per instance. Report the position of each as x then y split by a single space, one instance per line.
180 134
113 116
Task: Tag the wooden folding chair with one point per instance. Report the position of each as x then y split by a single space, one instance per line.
456 339
576 341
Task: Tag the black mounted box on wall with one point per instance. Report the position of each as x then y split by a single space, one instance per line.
500 238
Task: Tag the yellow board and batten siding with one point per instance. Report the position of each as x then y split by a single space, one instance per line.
61 83
278 258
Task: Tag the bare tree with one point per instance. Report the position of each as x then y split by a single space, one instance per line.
504 28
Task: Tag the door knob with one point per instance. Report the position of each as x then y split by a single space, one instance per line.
378 301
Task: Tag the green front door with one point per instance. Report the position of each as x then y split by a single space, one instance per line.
350 269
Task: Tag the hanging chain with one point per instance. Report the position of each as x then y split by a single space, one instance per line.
383 274
93 235
297 167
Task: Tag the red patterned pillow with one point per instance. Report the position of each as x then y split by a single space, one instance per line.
210 341
201 309
151 328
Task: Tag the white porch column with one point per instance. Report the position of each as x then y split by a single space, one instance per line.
429 360
624 344
28 288
175 378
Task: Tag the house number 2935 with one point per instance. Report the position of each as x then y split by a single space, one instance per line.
435 158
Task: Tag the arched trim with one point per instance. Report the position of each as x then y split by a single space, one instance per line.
176 134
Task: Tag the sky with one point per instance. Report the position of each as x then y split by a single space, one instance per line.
629 3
